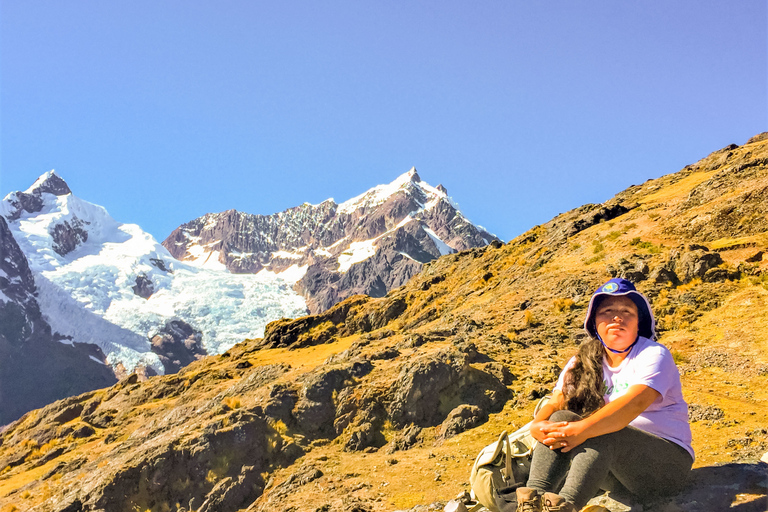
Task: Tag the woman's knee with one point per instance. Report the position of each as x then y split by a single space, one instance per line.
564 415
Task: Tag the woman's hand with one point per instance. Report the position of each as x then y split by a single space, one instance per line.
540 430
541 423
565 435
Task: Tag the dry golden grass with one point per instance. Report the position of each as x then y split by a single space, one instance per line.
676 191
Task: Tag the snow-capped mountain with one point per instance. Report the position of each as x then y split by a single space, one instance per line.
110 284
35 369
369 244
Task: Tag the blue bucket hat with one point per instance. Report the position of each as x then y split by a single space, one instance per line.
618 286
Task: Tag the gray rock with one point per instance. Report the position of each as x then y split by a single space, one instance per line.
715 275
282 400
230 494
463 417
405 439
361 437
178 344
144 287
315 409
662 275
67 236
429 387
698 412
721 487
696 263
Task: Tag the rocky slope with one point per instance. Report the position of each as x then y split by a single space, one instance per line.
381 404
370 244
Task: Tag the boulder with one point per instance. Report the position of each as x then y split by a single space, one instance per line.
462 418
722 487
361 437
177 344
282 400
315 410
715 275
695 264
429 387
635 269
662 275
405 439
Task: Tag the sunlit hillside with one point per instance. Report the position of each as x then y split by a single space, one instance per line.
382 404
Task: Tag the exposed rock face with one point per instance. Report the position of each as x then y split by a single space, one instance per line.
177 344
143 287
386 270
19 311
696 263
35 368
31 201
446 380
579 219
342 319
67 236
370 244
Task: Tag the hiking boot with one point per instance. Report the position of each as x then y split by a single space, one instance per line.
528 500
555 503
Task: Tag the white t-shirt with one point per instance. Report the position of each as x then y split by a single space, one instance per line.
651 364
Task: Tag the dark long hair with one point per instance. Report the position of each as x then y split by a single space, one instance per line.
583 383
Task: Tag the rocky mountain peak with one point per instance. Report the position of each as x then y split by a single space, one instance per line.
31 200
50 183
369 244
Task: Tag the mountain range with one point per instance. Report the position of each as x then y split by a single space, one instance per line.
120 299
367 245
381 404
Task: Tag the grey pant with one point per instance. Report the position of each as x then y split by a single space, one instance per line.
630 459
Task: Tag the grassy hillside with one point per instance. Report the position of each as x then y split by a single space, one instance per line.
358 408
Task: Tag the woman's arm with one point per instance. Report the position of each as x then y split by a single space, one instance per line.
614 416
541 426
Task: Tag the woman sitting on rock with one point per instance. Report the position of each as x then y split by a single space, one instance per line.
617 419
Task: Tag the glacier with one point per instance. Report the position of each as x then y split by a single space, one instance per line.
87 294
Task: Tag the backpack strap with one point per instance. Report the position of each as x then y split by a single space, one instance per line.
507 457
476 507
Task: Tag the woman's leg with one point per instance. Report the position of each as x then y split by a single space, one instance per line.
549 467
659 467
644 464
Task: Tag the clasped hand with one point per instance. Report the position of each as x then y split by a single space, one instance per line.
563 435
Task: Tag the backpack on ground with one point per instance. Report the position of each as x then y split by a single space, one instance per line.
501 467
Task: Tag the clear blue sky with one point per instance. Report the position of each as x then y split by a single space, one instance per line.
162 111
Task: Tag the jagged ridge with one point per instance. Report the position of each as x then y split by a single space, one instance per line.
369 244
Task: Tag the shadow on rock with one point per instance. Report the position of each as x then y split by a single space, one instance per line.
735 487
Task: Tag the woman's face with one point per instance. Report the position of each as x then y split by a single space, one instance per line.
616 321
